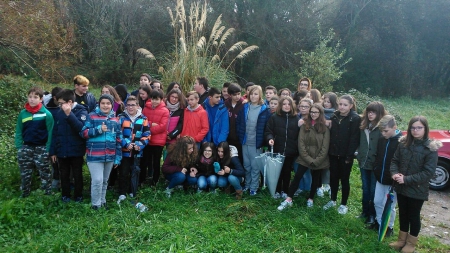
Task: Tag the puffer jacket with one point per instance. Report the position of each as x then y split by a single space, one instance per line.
134 130
102 146
159 115
195 123
313 148
283 130
175 124
66 141
344 135
385 151
241 123
219 126
367 149
232 116
417 163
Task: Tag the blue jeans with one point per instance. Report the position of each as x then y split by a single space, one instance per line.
175 179
232 180
305 182
203 182
191 180
368 187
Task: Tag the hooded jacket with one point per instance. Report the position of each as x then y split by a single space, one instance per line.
283 129
66 141
195 123
134 130
241 123
344 135
385 152
159 115
417 163
220 127
91 103
102 146
313 148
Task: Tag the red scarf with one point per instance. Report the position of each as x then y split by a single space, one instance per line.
33 110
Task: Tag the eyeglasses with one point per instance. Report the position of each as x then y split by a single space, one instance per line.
303 84
312 112
371 112
174 97
304 107
284 94
60 104
131 105
416 128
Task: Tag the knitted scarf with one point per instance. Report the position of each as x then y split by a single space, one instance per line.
34 109
173 107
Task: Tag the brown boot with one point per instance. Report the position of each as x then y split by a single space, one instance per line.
238 194
410 246
401 241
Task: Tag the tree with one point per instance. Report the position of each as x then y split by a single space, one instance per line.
324 65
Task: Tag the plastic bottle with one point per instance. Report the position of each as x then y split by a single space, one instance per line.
141 207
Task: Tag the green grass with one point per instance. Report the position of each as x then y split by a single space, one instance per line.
191 222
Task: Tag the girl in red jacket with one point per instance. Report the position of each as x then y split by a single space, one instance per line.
158 115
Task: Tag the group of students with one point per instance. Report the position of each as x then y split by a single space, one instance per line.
213 136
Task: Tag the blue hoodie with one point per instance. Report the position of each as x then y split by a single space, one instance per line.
219 125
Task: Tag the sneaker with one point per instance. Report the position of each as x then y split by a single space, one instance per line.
342 209
389 232
297 192
320 192
168 192
121 198
131 195
330 204
245 190
374 226
105 206
79 199
309 203
95 208
283 205
326 188
65 199
253 193
284 195
276 195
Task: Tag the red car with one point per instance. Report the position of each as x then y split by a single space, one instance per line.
441 178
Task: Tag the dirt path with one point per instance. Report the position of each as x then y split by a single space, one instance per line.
436 216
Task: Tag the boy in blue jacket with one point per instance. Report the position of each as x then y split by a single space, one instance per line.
68 148
219 127
32 139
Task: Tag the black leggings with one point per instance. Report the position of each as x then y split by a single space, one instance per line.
339 170
316 181
285 175
409 214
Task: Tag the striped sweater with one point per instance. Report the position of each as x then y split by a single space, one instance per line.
102 146
134 130
34 129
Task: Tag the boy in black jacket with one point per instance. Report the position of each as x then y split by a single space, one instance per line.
385 151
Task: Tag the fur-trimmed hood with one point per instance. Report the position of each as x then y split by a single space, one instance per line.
432 144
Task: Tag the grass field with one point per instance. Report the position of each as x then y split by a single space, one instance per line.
190 222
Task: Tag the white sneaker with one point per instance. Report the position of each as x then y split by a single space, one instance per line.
326 187
297 192
320 192
309 203
284 204
284 195
168 192
342 209
276 195
330 204
121 198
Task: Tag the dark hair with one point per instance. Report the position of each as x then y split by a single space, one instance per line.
281 90
234 88
424 121
249 84
203 81
181 97
147 90
177 152
171 85
36 90
226 160
56 90
226 85
156 93
279 110
206 145
270 87
333 99
213 91
149 77
132 98
315 95
350 99
156 81
379 110
299 95
320 123
122 91
66 95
